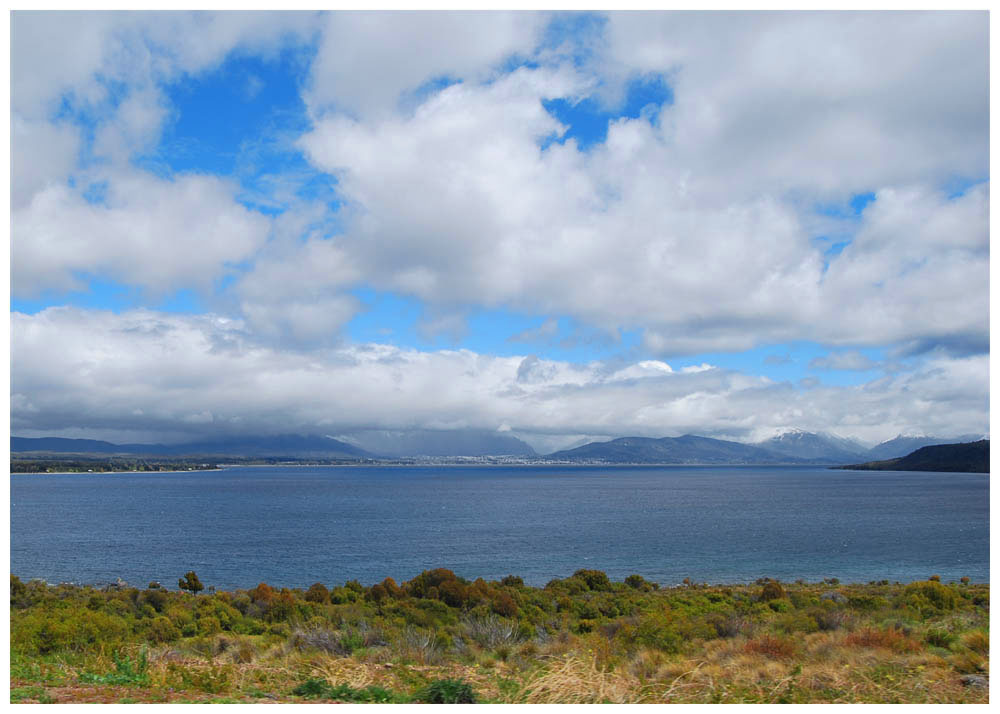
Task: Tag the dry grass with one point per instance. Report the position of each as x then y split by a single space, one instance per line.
578 680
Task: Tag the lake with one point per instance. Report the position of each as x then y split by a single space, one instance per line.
293 526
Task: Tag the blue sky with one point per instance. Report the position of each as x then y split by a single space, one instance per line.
591 190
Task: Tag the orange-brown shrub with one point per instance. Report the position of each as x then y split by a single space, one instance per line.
891 639
770 646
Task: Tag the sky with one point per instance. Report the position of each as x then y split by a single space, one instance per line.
560 226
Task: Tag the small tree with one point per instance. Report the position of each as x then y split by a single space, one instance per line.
191 583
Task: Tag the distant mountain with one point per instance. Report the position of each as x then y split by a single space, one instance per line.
428 442
673 450
903 445
287 445
818 447
56 445
972 457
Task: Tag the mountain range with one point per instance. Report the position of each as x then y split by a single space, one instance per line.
791 447
686 449
288 445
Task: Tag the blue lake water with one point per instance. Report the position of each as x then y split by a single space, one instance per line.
294 526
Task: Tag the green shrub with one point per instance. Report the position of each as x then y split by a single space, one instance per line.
209 625
157 598
593 579
321 689
17 588
448 691
658 632
940 638
728 624
313 689
127 671
190 582
929 597
161 629
44 630
797 621
636 582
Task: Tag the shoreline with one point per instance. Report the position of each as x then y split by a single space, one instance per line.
663 587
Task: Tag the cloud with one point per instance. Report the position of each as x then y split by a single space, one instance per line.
698 229
103 75
157 234
850 360
80 56
367 61
546 331
439 213
828 103
190 376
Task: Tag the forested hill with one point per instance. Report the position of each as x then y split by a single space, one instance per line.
973 457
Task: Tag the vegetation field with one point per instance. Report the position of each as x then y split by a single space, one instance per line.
440 638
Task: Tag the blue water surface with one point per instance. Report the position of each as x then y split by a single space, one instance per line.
293 526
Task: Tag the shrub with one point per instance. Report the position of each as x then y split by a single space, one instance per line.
658 632
44 631
939 638
453 593
636 582
728 624
929 597
512 581
491 631
313 689
263 593
977 641
190 582
867 603
392 589
321 689
427 584
890 638
126 671
317 592
770 646
209 625
156 597
448 691
376 593
593 579
503 604
797 621
828 619
772 590
17 588
339 642
161 629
